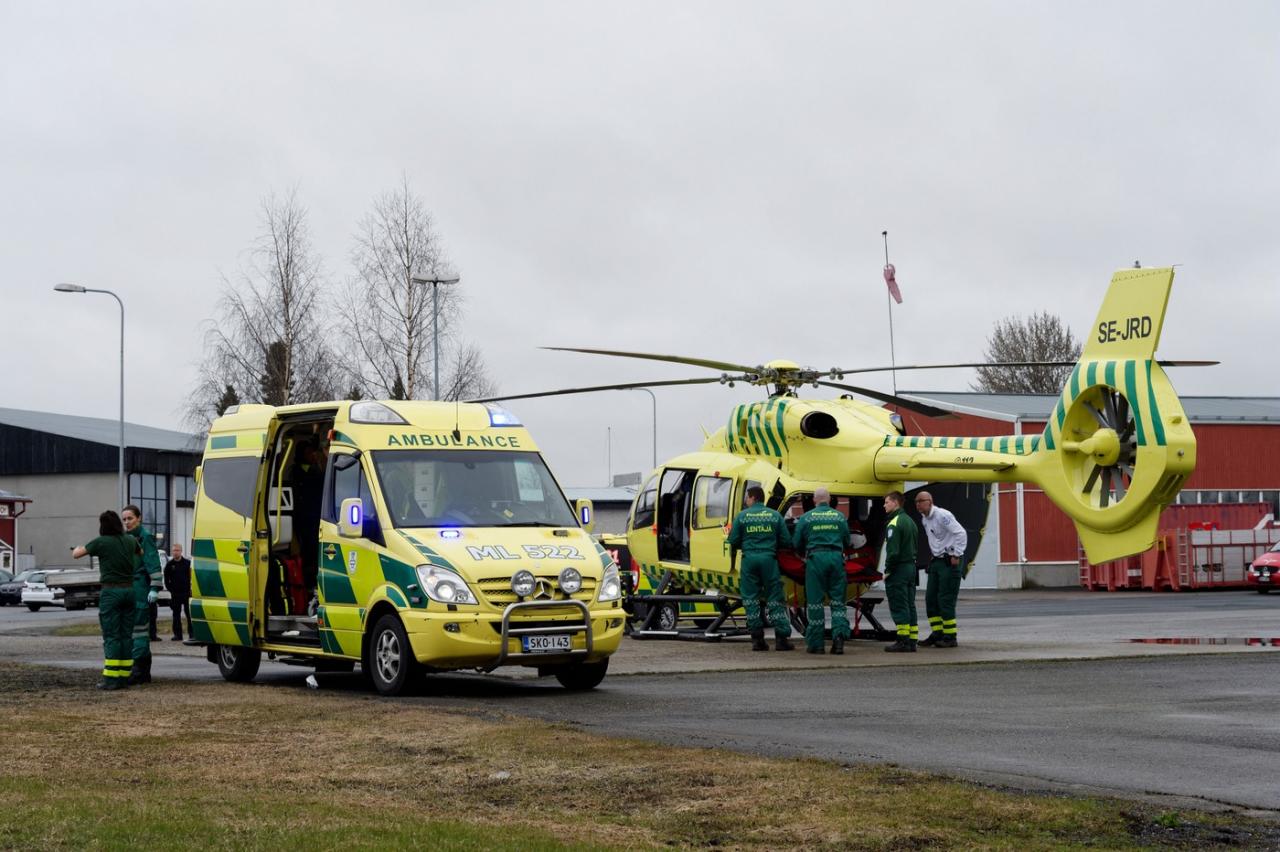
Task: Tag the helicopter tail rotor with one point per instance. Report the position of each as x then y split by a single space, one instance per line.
1115 450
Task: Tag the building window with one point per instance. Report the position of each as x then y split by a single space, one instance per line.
184 492
150 493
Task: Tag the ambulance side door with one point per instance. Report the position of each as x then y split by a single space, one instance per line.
343 588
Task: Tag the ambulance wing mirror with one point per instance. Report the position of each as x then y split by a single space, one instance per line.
351 520
586 512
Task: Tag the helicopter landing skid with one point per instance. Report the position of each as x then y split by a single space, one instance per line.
862 611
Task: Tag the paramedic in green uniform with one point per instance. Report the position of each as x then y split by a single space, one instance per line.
117 555
147 582
758 532
900 571
822 535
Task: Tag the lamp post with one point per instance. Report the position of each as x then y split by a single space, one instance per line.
435 281
76 288
655 422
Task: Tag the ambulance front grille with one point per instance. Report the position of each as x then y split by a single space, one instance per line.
497 590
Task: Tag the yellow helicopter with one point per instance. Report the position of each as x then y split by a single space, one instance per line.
1115 451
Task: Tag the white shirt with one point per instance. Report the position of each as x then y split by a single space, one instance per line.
946 536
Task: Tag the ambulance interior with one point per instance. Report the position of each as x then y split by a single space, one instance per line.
295 498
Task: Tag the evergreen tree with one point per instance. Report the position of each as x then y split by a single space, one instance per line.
228 399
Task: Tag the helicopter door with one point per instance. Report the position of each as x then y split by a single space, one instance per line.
709 550
675 500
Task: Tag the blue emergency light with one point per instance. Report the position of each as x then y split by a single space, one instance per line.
356 515
450 534
585 512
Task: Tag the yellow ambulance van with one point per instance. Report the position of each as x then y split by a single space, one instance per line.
408 537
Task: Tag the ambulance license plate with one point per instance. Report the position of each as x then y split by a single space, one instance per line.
549 644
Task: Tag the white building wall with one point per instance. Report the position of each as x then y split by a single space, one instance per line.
63 512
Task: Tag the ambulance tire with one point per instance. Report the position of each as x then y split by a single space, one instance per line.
668 616
389 661
237 663
579 677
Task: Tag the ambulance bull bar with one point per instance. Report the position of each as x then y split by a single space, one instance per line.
509 632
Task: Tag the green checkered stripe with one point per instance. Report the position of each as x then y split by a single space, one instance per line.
690 577
756 429
1011 444
1131 378
328 637
219 605
335 582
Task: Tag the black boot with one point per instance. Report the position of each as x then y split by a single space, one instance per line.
784 644
837 645
815 650
948 642
141 671
900 647
932 639
758 643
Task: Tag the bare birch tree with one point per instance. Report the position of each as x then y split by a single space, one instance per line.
391 318
267 343
1040 337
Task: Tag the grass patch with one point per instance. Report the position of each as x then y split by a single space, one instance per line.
223 766
164 627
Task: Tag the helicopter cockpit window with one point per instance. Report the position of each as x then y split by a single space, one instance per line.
646 505
747 486
711 497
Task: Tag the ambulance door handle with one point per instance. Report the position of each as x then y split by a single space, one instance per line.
244 548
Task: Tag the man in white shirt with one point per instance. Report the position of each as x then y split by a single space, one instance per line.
947 542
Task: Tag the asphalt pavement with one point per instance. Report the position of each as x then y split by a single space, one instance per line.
1049 690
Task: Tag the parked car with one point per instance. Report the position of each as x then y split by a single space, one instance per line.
5 576
1264 573
11 589
72 589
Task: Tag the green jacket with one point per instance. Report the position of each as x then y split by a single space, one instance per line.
150 565
900 540
821 528
757 529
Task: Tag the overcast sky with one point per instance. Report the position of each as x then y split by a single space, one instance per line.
708 179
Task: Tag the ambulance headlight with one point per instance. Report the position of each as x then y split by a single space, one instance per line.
444 586
522 583
570 580
610 585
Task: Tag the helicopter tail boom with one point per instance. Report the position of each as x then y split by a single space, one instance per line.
1114 451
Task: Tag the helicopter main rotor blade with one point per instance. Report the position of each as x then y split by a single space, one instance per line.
627 386
672 359
910 405
1005 364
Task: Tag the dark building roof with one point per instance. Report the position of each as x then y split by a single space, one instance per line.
38 442
1015 406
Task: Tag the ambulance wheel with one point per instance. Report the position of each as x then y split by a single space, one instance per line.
668 618
389 658
238 664
579 677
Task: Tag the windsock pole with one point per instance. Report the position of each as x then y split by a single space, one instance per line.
888 294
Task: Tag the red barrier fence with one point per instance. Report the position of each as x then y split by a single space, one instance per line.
1184 560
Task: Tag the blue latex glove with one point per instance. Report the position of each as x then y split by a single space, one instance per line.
153 596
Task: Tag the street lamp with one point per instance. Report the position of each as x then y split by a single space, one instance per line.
435 281
655 422
76 288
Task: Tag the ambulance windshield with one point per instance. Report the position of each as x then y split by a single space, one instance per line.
470 488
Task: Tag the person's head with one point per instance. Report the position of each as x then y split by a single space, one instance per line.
309 453
821 496
755 494
132 517
176 550
893 501
109 524
924 503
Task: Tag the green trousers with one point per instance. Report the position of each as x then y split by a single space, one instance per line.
760 579
900 589
115 616
940 595
141 617
824 577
